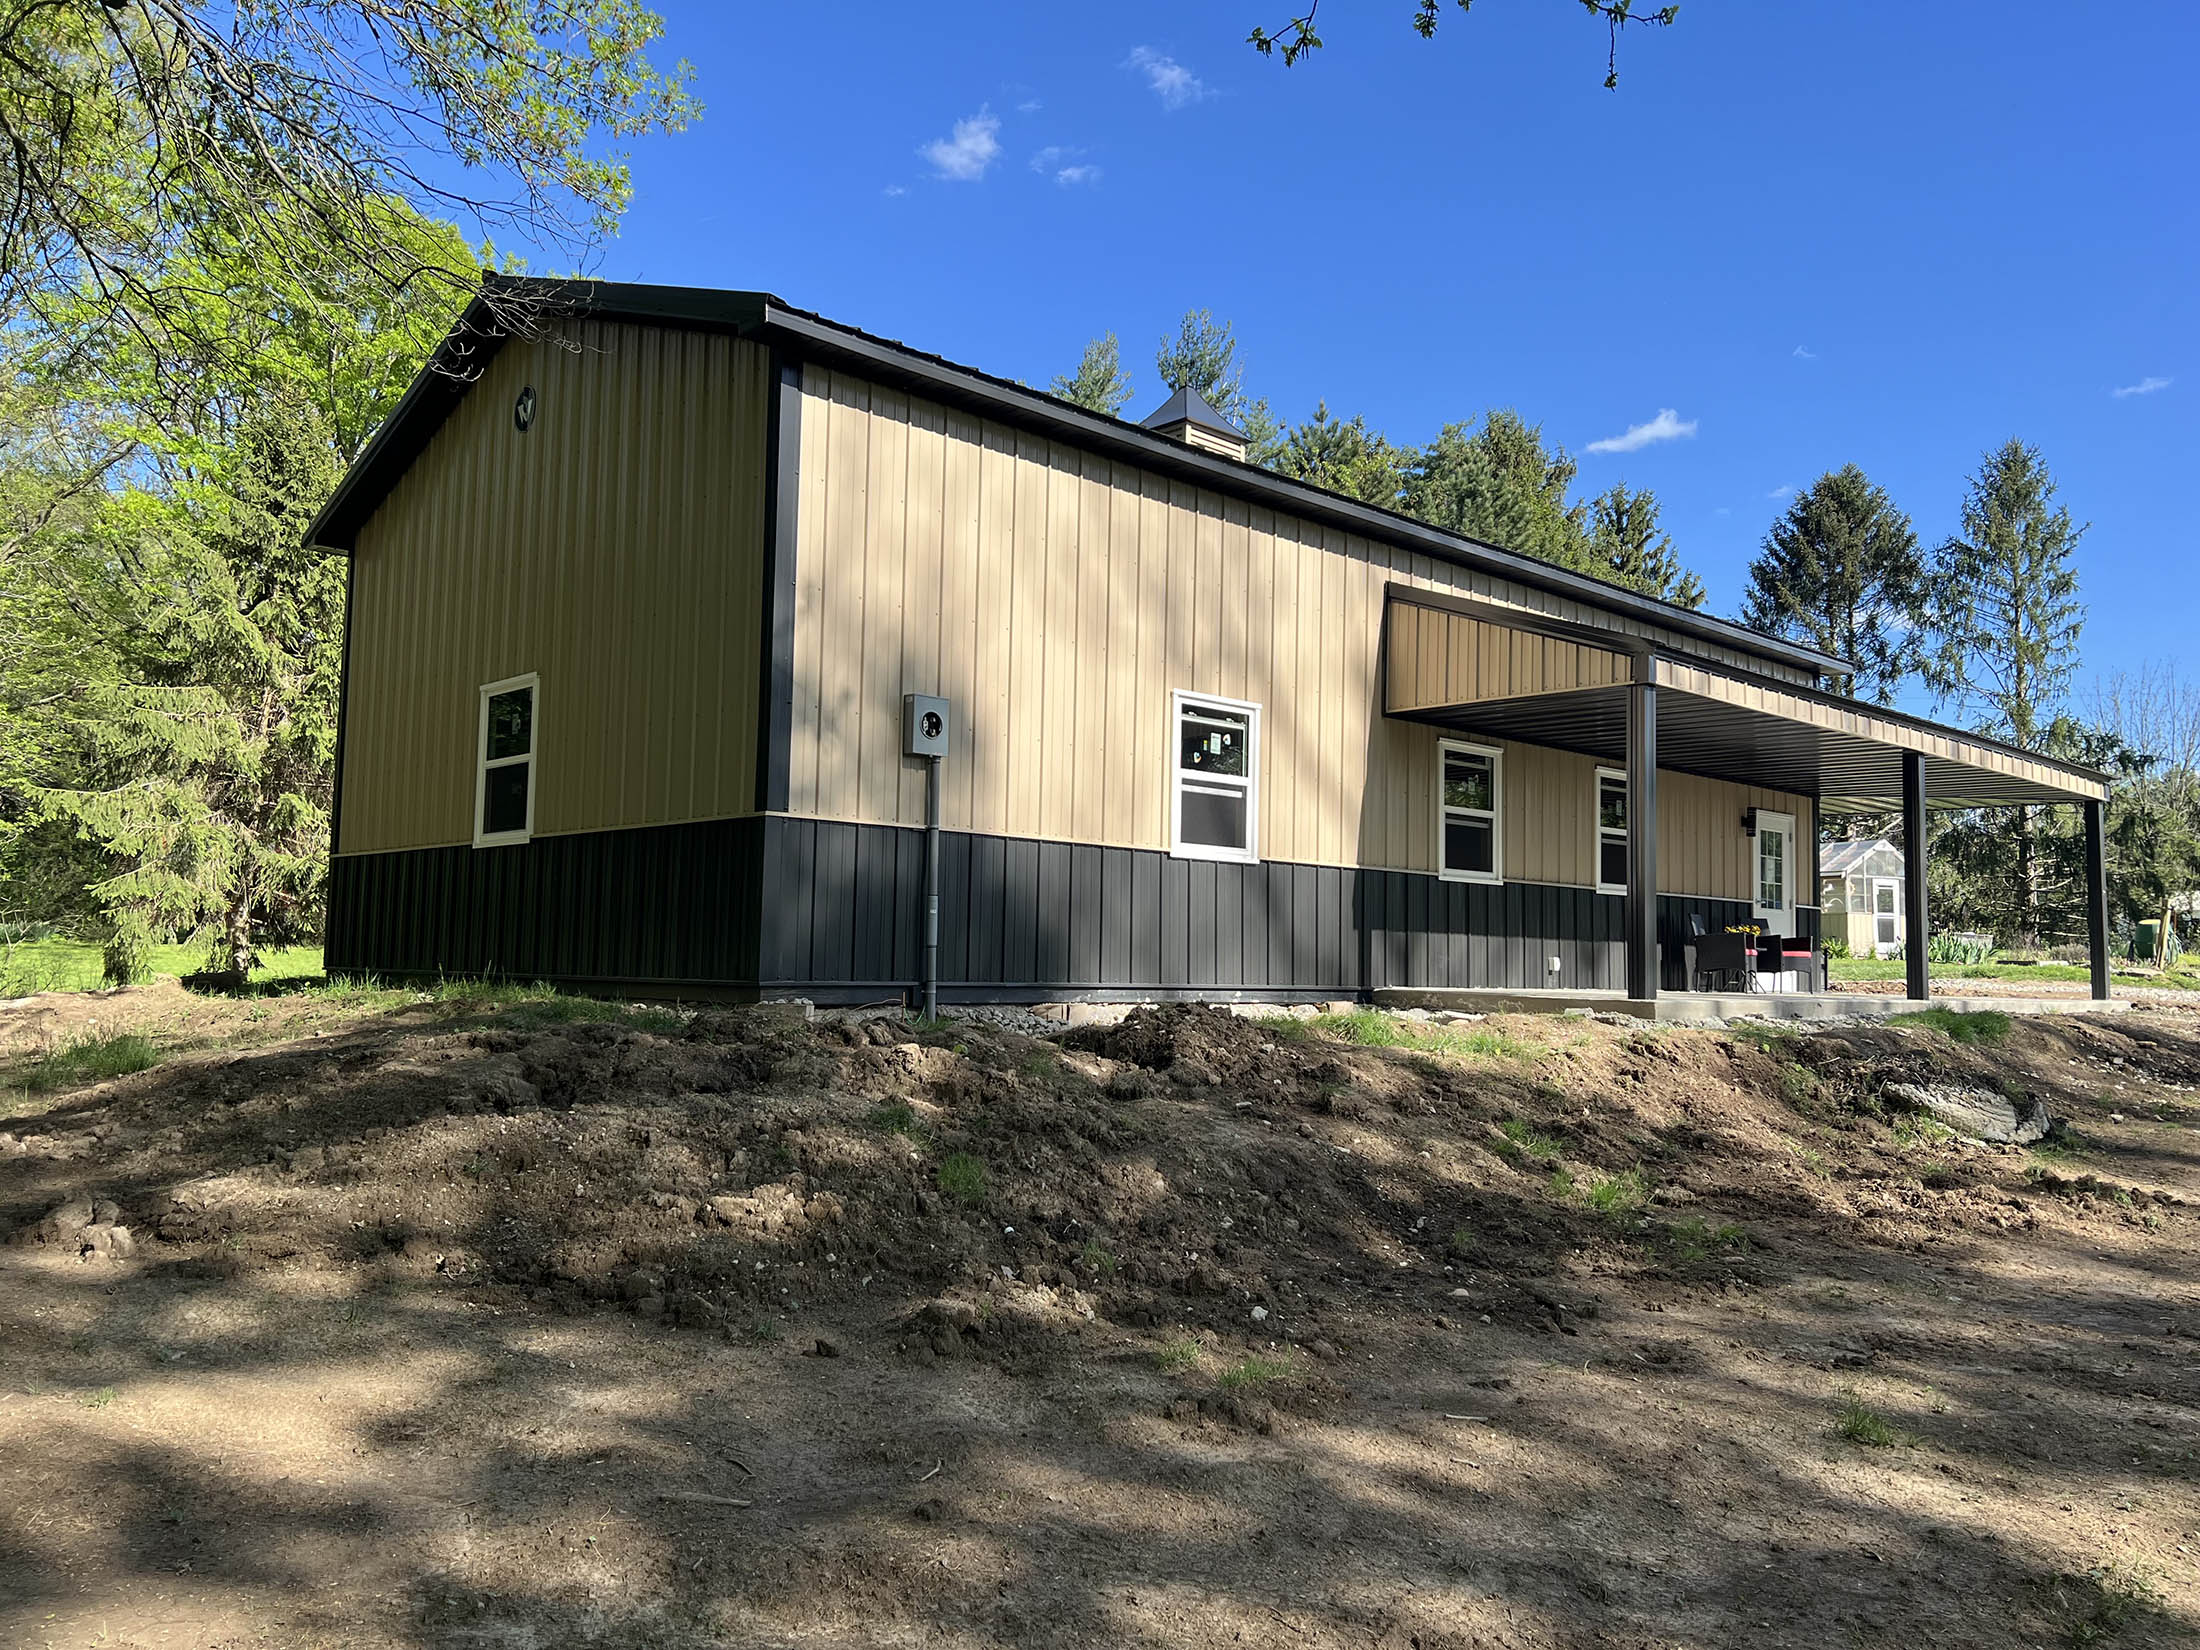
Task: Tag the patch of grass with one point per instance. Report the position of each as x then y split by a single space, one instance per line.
1098 1258
895 1117
54 963
98 1400
1987 1025
1175 1357
1914 1131
1562 1184
1371 1028
1523 1139
2055 1151
2106 1600
1798 1083
1256 1372
91 1060
962 1177
1614 1195
1463 1241
1815 1161
536 1003
1696 1239
767 1329
1861 1424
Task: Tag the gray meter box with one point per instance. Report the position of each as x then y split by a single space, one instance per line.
923 725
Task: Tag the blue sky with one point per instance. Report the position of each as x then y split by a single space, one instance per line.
1879 232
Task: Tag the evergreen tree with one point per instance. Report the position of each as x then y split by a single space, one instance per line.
1345 457
1841 572
1203 355
1499 484
209 762
2003 607
1626 547
1099 384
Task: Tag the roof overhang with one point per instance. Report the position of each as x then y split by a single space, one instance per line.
508 304
1472 667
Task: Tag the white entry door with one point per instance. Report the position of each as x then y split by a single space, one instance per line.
1884 936
1774 862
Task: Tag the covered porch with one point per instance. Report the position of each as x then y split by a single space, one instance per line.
1473 667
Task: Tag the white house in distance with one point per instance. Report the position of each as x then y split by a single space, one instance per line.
1860 895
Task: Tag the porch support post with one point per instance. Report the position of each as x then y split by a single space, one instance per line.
1642 838
1919 931
2096 898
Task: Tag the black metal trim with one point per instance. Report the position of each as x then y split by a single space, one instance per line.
782 512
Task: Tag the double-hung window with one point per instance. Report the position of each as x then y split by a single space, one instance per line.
1215 800
504 777
1611 830
1466 812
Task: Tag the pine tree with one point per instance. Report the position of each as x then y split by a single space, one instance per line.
1099 384
1626 547
209 759
1499 484
1203 355
1841 572
1345 457
2004 611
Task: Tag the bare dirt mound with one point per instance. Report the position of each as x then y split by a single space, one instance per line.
1251 1234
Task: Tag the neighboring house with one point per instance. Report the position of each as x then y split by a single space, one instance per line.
1860 899
636 599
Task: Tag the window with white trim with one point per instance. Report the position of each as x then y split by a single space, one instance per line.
1611 830
504 776
1466 812
1214 804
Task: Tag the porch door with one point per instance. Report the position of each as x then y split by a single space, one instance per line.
1774 881
1884 937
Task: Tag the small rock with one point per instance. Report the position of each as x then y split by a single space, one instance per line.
826 1348
1260 1314
106 1212
1459 1294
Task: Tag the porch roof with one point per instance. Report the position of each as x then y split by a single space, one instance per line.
1476 667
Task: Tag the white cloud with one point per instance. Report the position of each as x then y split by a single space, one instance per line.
2145 386
1781 492
893 189
964 155
1029 106
1063 166
1667 426
1804 354
1723 510
1173 83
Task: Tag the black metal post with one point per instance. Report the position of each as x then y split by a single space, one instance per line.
1642 841
1913 874
932 888
2096 900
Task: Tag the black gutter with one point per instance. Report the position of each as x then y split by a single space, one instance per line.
761 316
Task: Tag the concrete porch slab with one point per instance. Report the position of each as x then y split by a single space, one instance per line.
1717 1008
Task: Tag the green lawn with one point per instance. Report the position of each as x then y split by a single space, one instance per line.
73 965
1893 968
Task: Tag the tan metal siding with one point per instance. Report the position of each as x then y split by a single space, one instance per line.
616 548
1058 599
1438 659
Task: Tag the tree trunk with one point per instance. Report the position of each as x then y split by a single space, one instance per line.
2028 883
235 956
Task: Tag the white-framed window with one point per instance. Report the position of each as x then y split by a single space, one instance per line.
1214 799
504 773
1774 859
1469 782
1611 843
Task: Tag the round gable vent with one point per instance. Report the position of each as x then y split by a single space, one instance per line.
523 410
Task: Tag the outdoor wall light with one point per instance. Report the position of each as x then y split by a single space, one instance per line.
1749 822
